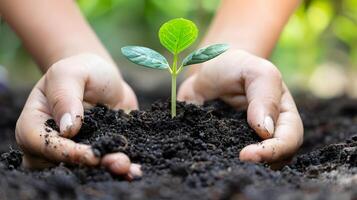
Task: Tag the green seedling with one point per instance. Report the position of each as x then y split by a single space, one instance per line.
175 35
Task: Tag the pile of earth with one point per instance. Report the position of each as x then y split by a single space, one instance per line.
195 156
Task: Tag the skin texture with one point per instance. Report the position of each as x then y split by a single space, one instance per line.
56 30
81 78
78 71
244 79
250 25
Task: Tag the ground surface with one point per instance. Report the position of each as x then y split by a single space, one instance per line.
194 156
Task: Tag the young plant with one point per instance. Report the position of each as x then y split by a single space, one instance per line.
175 35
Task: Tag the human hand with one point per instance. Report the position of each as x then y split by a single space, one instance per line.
247 81
60 94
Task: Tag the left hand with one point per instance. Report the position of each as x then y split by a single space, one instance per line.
244 80
60 94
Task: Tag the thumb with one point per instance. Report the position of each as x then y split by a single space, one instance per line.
64 91
129 101
263 91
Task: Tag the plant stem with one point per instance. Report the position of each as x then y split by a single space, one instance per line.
173 96
173 86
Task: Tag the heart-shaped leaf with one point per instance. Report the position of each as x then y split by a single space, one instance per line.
204 54
178 34
145 57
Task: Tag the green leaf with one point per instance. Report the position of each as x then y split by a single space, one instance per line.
145 57
204 54
178 34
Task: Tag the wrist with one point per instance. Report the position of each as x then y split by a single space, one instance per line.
61 52
89 61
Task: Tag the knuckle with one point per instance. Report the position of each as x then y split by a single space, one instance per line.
270 69
59 98
57 68
65 67
78 154
56 100
73 154
57 103
274 106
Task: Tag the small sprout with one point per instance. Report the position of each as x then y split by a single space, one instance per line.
175 35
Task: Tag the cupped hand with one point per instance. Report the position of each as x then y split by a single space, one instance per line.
247 81
60 94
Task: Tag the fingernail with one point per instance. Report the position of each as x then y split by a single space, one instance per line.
66 123
135 170
269 125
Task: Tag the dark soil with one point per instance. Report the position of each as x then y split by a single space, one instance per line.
195 156
11 104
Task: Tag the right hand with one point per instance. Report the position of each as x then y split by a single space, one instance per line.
246 81
60 94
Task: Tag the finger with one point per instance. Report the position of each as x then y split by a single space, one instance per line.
187 92
34 162
36 139
135 171
237 101
85 77
117 163
287 139
64 91
221 77
263 86
129 102
267 151
237 74
57 149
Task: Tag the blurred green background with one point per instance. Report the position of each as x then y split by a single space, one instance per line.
316 52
